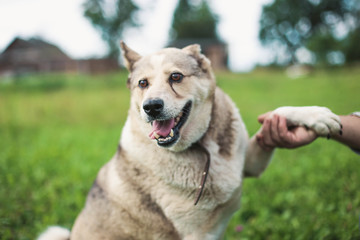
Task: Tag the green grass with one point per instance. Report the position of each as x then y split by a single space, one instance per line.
56 131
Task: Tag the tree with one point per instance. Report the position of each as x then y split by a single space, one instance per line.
194 21
111 20
327 28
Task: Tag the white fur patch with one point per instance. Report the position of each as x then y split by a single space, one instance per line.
55 233
157 61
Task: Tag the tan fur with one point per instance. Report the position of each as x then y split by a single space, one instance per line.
147 191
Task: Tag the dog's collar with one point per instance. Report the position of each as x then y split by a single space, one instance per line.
207 164
204 174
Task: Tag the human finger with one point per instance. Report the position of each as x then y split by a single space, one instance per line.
284 134
274 131
266 131
262 117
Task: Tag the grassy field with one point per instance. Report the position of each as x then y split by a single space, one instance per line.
56 131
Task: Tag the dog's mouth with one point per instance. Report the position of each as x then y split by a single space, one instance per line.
167 132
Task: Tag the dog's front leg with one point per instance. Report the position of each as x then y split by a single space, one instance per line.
256 160
201 236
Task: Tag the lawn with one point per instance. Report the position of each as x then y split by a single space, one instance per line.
56 131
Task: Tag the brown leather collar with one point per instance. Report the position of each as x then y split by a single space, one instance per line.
204 174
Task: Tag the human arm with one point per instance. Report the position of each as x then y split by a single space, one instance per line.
275 133
351 131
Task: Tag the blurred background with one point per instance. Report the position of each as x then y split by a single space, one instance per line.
63 102
236 35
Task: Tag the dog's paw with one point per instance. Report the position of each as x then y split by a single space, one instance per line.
320 119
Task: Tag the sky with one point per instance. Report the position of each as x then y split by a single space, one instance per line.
63 24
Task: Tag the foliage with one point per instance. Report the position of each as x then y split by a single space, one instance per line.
56 131
194 21
330 29
111 19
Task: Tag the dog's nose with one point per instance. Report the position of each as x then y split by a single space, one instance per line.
153 107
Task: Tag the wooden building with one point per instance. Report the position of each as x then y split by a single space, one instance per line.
38 56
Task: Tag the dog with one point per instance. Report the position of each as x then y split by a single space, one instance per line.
182 156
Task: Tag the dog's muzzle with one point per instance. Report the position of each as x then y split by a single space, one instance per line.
165 131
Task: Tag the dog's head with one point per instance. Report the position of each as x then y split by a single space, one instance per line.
172 93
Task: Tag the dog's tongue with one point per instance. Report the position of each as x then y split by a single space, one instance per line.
162 128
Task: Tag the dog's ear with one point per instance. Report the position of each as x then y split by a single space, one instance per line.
194 50
129 55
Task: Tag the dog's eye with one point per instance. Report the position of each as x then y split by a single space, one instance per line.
143 83
176 77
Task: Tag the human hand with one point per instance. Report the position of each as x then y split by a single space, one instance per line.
275 133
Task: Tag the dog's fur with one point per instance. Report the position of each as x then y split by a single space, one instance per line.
147 191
